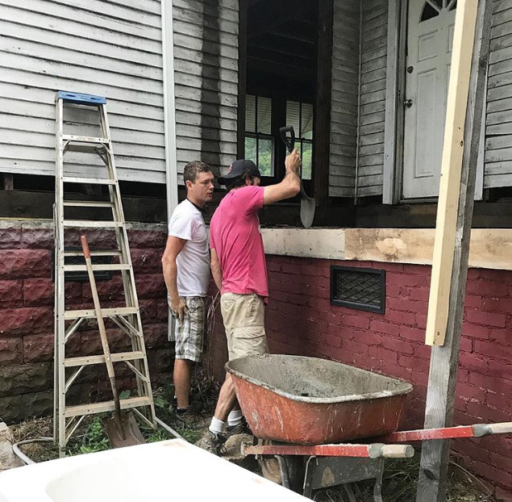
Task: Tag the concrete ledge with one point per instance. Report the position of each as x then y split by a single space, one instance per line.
490 248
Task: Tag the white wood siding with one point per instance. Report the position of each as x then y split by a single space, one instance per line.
206 81
109 48
344 104
498 141
373 97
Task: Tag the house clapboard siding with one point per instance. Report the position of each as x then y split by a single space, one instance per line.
373 97
344 98
112 49
206 81
498 140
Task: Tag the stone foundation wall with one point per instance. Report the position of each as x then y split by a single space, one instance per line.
27 320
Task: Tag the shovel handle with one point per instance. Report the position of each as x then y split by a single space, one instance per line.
290 143
85 246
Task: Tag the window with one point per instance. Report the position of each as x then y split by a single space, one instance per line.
432 8
358 288
259 143
300 116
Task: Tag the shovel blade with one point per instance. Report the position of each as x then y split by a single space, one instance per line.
307 211
123 433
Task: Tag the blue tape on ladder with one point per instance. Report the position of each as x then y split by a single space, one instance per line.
81 99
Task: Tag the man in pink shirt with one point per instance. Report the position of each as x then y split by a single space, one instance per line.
239 270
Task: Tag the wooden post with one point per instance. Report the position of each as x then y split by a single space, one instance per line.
453 148
444 360
322 104
394 101
242 77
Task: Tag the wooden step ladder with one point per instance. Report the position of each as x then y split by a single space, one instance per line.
67 369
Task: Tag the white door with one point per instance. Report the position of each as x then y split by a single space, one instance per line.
429 51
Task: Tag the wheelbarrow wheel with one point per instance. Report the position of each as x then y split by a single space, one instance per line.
271 469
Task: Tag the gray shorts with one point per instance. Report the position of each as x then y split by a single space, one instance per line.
189 334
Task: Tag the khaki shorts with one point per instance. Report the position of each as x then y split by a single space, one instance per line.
244 320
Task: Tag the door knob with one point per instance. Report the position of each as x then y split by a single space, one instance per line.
408 103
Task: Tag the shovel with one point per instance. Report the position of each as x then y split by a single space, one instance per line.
307 204
121 431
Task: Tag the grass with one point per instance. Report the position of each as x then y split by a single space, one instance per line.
90 437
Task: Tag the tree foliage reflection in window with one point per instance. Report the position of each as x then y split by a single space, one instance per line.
259 143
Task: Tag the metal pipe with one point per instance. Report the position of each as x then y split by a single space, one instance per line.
16 450
171 168
168 428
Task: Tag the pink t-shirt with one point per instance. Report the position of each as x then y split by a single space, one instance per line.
235 236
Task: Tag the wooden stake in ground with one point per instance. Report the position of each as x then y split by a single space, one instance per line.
444 360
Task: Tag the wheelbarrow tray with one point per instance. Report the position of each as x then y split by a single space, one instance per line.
305 400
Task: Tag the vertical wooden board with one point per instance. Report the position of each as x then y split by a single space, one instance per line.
451 172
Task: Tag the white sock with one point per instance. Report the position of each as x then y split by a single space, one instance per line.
217 426
235 418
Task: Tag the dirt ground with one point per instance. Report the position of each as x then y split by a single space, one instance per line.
399 478
399 483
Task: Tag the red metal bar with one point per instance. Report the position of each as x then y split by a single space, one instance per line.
323 450
334 450
465 431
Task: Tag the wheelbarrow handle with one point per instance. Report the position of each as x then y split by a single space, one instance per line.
395 451
289 142
481 430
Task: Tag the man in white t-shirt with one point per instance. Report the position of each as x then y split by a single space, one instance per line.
186 267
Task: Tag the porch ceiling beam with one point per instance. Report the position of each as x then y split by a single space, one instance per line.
280 69
453 231
291 37
274 14
280 57
286 46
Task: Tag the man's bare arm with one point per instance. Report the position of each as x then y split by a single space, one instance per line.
173 248
290 186
216 269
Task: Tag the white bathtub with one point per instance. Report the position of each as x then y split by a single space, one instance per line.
167 471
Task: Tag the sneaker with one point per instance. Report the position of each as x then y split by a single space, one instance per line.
241 428
212 442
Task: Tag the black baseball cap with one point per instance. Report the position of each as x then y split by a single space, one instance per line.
238 169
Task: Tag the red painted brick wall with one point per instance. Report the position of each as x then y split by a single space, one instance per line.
300 320
26 317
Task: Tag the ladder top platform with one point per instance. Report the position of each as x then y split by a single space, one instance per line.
81 99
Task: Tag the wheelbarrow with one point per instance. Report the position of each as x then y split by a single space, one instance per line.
306 414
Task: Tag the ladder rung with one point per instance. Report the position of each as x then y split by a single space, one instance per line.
98 268
89 409
71 362
87 203
69 315
80 98
92 224
89 181
114 252
85 139
84 148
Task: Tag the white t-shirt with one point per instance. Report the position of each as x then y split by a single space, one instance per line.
194 260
